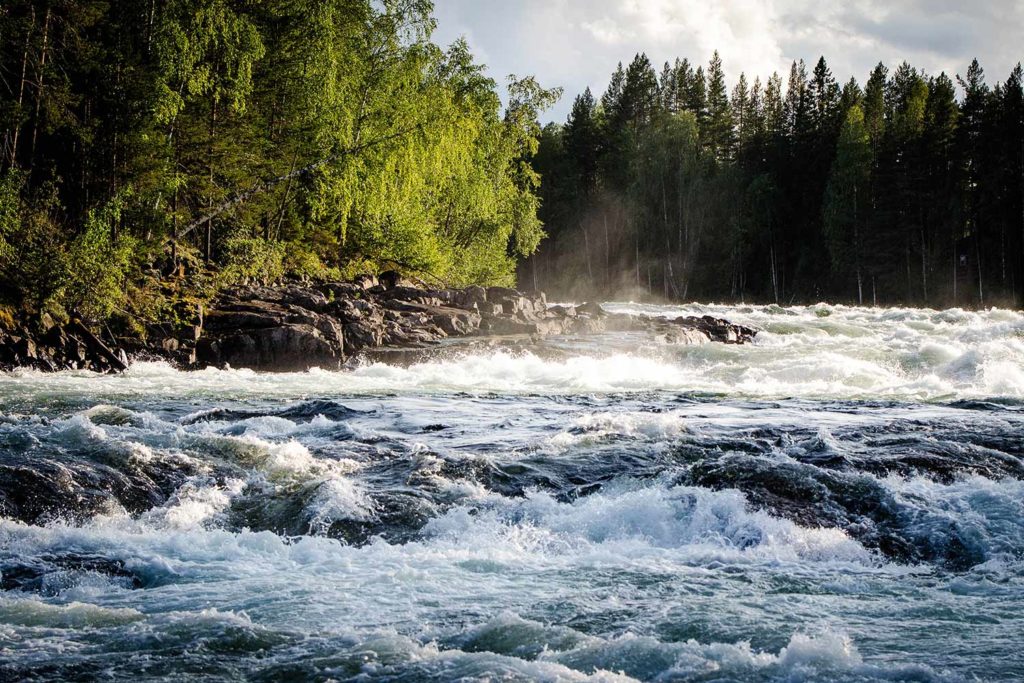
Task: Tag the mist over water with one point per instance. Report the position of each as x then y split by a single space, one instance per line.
842 500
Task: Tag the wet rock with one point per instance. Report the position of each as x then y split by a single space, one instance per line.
591 308
296 326
470 297
285 348
563 311
49 574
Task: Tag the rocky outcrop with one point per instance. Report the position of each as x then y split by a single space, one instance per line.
294 327
59 347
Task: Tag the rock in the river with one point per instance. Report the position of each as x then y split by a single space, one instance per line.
294 327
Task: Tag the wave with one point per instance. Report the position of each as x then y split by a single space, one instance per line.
852 353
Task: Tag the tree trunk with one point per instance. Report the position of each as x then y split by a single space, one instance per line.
40 86
857 249
586 243
209 161
16 132
607 252
955 266
924 266
910 285
977 251
638 262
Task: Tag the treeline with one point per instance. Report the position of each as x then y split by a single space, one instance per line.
148 145
899 191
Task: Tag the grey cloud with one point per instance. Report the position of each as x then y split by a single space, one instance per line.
576 43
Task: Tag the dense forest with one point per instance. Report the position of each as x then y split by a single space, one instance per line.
152 151
906 190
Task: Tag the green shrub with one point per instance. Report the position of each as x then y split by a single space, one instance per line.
255 259
97 266
302 262
10 198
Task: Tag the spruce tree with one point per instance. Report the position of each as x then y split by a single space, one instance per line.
717 130
847 200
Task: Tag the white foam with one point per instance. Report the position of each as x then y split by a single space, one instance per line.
595 427
852 353
684 524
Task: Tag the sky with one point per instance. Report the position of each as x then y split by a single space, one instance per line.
577 43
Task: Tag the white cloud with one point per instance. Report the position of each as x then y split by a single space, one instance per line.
577 43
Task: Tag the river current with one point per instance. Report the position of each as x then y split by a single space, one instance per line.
843 500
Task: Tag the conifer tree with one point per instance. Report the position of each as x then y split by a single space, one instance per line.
847 200
718 127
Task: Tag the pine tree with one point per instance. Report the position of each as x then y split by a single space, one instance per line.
582 136
974 111
847 200
874 103
825 98
1012 138
797 106
696 95
740 107
717 130
774 107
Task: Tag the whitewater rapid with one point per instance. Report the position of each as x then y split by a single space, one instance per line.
842 500
816 352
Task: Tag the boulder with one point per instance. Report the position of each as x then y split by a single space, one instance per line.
390 279
591 308
470 298
365 281
363 334
294 327
286 348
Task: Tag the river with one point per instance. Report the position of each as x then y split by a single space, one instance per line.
842 500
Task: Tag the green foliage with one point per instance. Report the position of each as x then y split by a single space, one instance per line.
847 198
252 141
253 259
10 197
96 266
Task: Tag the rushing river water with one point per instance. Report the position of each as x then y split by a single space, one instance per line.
843 500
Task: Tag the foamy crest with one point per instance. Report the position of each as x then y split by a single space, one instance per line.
686 524
600 426
822 351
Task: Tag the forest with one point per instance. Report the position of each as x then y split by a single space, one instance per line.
906 190
154 151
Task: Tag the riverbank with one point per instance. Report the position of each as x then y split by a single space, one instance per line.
298 326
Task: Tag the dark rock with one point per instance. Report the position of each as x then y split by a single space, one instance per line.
365 282
489 310
298 326
591 308
470 297
286 348
390 279
361 335
503 326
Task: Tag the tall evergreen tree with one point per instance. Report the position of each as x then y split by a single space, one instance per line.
847 200
717 129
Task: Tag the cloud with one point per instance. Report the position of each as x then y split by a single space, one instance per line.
577 43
